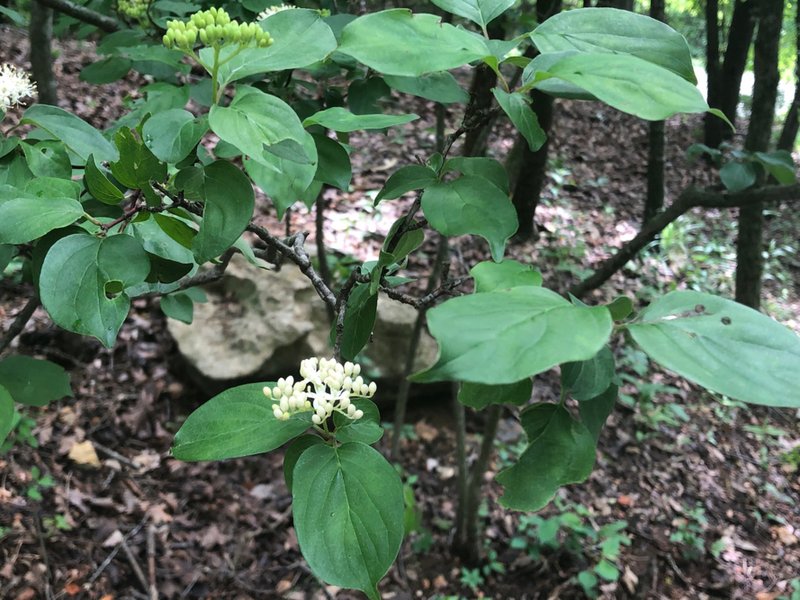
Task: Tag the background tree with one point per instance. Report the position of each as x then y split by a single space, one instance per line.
792 122
749 247
655 156
41 52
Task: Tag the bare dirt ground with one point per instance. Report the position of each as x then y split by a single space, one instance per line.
708 489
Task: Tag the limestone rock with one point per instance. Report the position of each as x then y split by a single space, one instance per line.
261 324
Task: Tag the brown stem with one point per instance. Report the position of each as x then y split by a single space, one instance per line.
82 13
22 318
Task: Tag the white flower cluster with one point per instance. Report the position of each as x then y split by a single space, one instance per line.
271 10
327 387
14 86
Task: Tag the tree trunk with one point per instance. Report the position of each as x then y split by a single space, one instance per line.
749 246
655 150
710 122
532 167
40 34
740 35
792 122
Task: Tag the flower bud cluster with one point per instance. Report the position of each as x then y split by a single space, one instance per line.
214 28
134 9
271 10
14 86
327 387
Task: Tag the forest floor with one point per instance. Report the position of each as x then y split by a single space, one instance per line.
704 492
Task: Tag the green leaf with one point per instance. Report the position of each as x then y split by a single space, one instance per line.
607 570
77 135
516 106
284 181
488 168
137 165
32 381
481 12
588 379
83 280
348 514
620 308
397 42
292 455
471 205
6 414
560 451
341 119
99 186
7 252
363 95
738 176
237 422
106 70
178 306
598 30
778 163
254 120
334 163
440 87
229 204
723 346
630 84
359 319
490 276
172 135
480 395
406 179
26 217
595 411
301 38
507 335
366 430
48 159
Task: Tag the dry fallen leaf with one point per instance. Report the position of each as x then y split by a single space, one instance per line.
72 589
115 539
83 453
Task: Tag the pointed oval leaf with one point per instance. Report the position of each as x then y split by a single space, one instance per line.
301 38
237 422
80 279
406 179
505 336
77 135
481 12
366 430
619 31
490 276
516 106
397 42
334 166
471 205
588 379
480 395
723 346
6 414
27 217
341 119
32 381
562 452
630 84
99 185
293 453
48 158
440 87
172 135
229 203
348 513
488 168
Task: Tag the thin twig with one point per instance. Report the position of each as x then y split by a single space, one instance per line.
22 318
116 455
137 569
151 561
82 13
340 310
103 565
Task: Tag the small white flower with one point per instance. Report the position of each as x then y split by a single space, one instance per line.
14 86
326 387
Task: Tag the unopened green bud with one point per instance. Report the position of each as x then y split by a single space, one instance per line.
191 38
203 36
167 41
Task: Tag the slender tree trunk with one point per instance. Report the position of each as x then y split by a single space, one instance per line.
710 122
749 246
655 150
532 166
740 35
792 122
40 35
